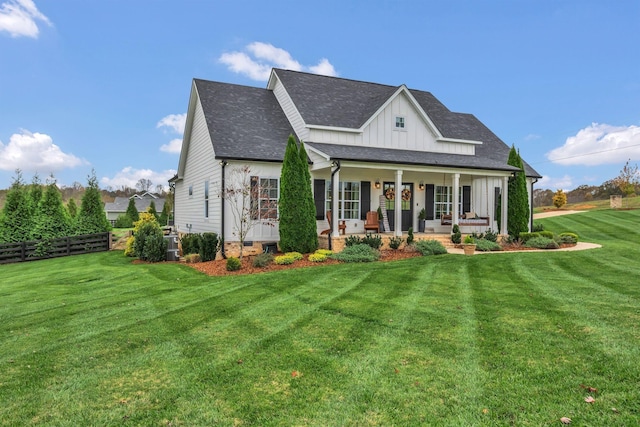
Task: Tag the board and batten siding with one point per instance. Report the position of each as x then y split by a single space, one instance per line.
201 166
382 133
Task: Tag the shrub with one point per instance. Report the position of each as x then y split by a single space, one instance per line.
524 237
485 245
262 260
155 248
395 242
123 221
295 255
352 241
491 235
191 243
375 241
410 236
430 247
209 246
326 252
317 257
233 264
541 243
456 236
129 249
468 240
357 253
570 238
284 259
192 258
537 227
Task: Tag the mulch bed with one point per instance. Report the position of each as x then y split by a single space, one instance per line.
219 266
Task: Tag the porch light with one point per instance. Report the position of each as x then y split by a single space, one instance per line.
377 184
421 185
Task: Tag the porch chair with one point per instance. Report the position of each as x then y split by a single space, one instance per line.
342 225
371 223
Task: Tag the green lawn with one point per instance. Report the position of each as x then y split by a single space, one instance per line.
500 339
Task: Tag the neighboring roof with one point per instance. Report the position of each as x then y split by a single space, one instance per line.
120 204
244 122
247 123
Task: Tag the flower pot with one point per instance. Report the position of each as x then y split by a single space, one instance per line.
421 225
469 248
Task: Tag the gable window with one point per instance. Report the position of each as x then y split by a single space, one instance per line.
264 198
399 122
442 203
348 199
206 199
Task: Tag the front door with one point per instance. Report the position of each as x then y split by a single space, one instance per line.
406 193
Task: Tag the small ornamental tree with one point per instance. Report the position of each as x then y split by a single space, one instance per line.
241 194
132 211
628 179
559 198
15 220
92 218
518 204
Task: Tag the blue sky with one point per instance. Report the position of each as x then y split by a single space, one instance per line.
104 84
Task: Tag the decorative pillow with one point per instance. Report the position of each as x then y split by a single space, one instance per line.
470 215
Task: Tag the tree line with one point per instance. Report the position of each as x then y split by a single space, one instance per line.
37 212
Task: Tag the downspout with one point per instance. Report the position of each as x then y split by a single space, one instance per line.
333 214
223 163
531 207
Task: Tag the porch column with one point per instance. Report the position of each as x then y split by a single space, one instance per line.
455 214
505 208
398 204
335 191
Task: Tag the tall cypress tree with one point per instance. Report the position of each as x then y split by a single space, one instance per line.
132 211
92 218
15 220
290 202
310 231
518 206
51 219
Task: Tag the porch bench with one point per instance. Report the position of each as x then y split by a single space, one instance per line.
471 222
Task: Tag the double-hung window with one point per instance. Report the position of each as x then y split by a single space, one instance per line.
348 199
443 201
264 198
206 199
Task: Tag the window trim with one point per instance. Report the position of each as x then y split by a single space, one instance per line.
354 212
206 199
400 120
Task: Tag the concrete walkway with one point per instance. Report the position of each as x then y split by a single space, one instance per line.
580 246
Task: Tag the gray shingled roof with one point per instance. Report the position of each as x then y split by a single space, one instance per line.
120 204
244 122
248 123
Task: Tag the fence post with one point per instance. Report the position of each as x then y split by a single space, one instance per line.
23 250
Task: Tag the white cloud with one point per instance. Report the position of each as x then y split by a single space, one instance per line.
174 146
599 144
18 18
35 152
129 177
265 57
547 182
174 122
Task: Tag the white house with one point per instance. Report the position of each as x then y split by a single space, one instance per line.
364 141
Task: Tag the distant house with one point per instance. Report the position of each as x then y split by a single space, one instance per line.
369 145
142 201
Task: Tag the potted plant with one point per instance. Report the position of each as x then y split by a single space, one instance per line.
456 236
422 216
380 220
469 245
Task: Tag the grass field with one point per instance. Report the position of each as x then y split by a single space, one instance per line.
502 339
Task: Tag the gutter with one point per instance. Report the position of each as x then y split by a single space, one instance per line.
333 213
223 164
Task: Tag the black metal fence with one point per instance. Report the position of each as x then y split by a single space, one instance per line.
63 246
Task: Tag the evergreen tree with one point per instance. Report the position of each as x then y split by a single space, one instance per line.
92 218
164 215
518 204
35 194
310 233
15 221
291 202
152 209
132 211
72 209
51 219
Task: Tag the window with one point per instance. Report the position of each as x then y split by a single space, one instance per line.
190 190
264 198
399 122
442 201
348 199
206 199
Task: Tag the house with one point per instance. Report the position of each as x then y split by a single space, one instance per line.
142 201
368 144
